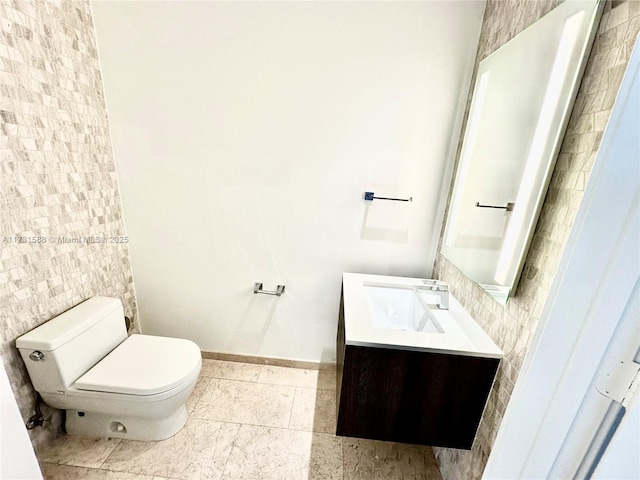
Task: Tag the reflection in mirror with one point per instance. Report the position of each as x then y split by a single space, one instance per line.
521 104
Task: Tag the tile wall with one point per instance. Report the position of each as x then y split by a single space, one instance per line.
58 189
512 327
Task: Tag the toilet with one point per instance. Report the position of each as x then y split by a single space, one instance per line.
110 384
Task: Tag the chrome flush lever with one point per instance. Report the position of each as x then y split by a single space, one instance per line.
36 356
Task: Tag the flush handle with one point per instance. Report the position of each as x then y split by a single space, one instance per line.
36 356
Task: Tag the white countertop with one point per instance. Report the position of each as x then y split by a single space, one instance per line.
461 336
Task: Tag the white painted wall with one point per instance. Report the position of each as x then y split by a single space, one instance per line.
245 135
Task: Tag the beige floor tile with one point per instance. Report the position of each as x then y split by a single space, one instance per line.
198 390
246 402
247 372
432 472
261 453
52 471
198 451
284 413
374 460
78 451
431 465
327 380
314 410
292 377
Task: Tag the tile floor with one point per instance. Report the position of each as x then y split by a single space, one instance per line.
247 422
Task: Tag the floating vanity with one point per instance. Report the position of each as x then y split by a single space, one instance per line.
413 366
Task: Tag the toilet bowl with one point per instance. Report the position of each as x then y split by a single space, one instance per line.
110 384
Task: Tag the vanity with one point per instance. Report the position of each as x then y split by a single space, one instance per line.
412 365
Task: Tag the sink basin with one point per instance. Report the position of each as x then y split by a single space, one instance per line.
400 308
401 312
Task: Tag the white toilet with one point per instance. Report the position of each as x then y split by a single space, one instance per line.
111 385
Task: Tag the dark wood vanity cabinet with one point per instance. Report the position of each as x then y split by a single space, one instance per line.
410 396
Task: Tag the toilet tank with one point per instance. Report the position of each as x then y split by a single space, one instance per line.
72 343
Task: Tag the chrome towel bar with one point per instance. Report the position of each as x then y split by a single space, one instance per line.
370 196
257 288
508 207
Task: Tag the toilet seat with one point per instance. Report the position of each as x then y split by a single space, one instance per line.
143 365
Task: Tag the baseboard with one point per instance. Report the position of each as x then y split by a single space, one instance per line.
278 362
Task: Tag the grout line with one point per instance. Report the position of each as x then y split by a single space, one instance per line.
119 440
293 403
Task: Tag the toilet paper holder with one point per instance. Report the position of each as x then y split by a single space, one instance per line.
257 288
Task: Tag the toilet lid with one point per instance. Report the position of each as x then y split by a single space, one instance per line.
143 365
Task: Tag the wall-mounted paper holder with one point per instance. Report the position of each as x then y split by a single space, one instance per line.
257 288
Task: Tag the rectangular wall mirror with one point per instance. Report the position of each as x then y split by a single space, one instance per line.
522 100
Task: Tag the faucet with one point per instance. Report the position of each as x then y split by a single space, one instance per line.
440 289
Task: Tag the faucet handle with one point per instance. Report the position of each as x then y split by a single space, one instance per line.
435 285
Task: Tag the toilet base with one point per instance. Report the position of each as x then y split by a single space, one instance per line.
93 424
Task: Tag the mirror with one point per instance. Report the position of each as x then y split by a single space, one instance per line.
521 103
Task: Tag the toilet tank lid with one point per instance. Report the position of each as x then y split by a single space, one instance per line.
68 325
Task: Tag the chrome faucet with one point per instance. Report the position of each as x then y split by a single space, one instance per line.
440 289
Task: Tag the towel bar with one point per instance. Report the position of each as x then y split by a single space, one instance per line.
370 196
508 207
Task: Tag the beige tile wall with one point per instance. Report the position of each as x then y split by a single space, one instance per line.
57 178
512 327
